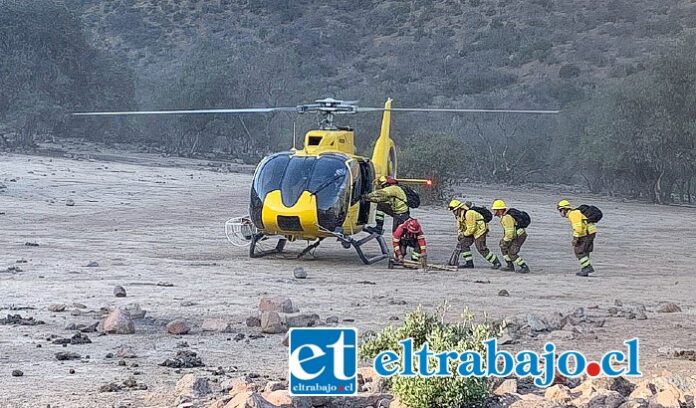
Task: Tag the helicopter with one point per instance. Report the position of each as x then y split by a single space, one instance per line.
315 192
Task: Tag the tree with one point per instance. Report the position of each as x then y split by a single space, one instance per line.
48 70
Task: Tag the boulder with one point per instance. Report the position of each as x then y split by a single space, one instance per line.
279 398
135 311
192 386
536 323
302 320
216 325
559 393
299 273
643 390
249 399
56 307
118 321
508 386
119 291
253 321
274 386
664 399
178 327
272 323
635 403
238 385
668 307
279 304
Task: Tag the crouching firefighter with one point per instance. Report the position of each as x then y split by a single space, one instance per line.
391 199
514 223
583 221
410 235
473 228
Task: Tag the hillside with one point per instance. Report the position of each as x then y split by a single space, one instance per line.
421 52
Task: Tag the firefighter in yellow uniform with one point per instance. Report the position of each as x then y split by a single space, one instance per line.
513 238
583 235
472 230
391 199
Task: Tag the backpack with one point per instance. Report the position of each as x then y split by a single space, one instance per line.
521 217
412 198
485 212
592 213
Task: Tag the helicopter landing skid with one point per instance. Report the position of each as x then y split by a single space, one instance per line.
256 238
310 248
347 242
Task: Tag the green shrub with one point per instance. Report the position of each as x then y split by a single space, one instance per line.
422 326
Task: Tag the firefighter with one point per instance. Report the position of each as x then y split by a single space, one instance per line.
410 234
513 238
472 230
583 235
391 199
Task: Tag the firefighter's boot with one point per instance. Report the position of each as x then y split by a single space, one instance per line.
510 267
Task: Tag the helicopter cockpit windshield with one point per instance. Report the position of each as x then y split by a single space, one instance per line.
324 177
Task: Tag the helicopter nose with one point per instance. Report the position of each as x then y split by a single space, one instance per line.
301 217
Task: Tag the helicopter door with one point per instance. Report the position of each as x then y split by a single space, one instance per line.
363 185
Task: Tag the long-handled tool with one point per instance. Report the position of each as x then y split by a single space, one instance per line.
417 265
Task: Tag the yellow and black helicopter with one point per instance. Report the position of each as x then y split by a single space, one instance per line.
315 192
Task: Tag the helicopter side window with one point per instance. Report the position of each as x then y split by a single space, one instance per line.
270 176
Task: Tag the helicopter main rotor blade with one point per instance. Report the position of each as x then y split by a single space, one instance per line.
448 110
190 111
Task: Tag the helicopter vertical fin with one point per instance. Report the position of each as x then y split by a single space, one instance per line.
384 154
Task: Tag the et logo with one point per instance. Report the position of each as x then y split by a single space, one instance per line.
323 361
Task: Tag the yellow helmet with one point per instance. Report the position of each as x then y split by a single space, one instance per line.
564 205
455 204
499 205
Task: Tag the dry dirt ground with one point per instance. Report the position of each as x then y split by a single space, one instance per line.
146 219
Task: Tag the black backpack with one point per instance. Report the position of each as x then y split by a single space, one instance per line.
521 217
485 212
592 213
412 198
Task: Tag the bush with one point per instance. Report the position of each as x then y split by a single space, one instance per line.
422 326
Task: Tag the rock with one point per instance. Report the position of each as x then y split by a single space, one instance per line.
508 386
118 321
92 264
604 399
332 320
619 384
504 292
119 291
271 323
302 320
238 384
253 321
67 355
279 304
274 386
135 311
535 403
17 373
279 398
183 359
17 319
249 400
192 386
69 202
559 393
77 338
299 273
216 325
56 307
557 321
668 307
664 399
643 390
124 352
635 403
536 323
639 311
178 327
